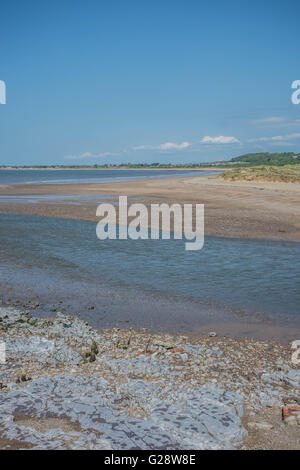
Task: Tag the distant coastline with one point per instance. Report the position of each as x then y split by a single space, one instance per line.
246 160
124 167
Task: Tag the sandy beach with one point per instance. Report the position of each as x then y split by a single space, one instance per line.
232 209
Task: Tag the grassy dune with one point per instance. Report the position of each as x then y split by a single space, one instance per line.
285 174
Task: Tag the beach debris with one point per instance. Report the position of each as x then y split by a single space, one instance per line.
91 355
123 344
212 334
23 378
177 350
147 352
291 414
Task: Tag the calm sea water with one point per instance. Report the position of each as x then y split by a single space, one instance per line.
247 278
88 176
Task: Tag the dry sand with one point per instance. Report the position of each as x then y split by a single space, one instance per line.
261 210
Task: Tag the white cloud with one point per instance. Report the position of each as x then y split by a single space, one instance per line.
164 147
277 138
91 155
221 139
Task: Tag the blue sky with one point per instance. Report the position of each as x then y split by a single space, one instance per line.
147 81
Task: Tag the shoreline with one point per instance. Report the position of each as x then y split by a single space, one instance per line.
108 306
186 168
249 210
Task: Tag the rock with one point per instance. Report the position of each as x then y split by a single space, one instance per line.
260 426
212 334
205 418
184 357
163 344
43 350
292 378
156 400
290 421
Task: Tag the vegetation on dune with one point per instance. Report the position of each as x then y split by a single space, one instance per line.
286 174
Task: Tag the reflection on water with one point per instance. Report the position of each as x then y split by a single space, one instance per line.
256 277
65 198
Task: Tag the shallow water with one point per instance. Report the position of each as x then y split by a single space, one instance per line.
229 278
63 198
89 176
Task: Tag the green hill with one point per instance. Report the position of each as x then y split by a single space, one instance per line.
265 158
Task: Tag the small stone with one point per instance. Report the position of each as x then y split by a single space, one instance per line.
184 357
290 421
260 426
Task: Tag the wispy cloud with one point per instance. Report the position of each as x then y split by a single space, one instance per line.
277 138
164 147
281 144
91 155
270 120
276 121
221 139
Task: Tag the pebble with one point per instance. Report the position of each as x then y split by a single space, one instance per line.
260 426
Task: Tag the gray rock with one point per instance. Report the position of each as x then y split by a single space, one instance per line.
205 418
40 350
292 378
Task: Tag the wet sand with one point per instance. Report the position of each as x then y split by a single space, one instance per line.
240 210
232 209
104 308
